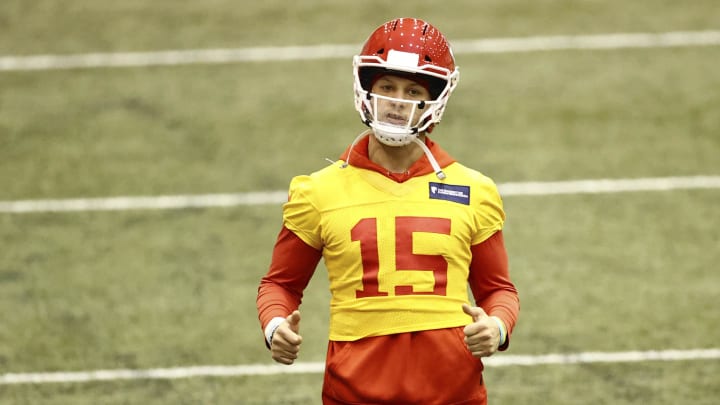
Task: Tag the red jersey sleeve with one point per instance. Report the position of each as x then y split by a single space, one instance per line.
292 266
490 283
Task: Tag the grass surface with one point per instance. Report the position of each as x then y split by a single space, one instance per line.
153 289
46 26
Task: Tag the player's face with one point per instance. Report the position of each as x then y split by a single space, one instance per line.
398 112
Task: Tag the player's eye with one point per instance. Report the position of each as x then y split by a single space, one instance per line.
416 93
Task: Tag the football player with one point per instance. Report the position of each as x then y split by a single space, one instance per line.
403 229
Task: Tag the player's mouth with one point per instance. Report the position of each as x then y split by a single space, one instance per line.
396 119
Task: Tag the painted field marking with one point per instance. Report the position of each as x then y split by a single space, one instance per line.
279 197
144 202
501 360
328 51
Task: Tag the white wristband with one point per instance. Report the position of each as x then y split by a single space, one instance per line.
501 327
271 327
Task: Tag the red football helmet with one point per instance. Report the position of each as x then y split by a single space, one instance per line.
413 49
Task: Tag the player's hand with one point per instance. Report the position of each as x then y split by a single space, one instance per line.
286 340
482 337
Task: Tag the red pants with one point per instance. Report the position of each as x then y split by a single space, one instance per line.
427 367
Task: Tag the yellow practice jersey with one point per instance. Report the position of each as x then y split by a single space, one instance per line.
397 254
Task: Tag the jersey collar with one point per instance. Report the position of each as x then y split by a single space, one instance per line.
361 159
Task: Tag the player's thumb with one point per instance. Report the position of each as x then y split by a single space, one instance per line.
475 312
294 321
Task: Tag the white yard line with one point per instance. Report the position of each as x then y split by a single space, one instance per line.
144 202
501 360
328 51
278 197
609 185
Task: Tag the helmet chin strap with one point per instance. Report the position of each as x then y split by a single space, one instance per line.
408 136
391 135
352 146
436 167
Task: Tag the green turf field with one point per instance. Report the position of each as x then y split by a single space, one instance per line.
144 289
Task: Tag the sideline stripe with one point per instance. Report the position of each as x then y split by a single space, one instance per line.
328 51
279 197
318 367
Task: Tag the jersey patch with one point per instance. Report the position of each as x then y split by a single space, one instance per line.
450 192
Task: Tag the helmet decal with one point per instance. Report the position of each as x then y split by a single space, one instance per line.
401 58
